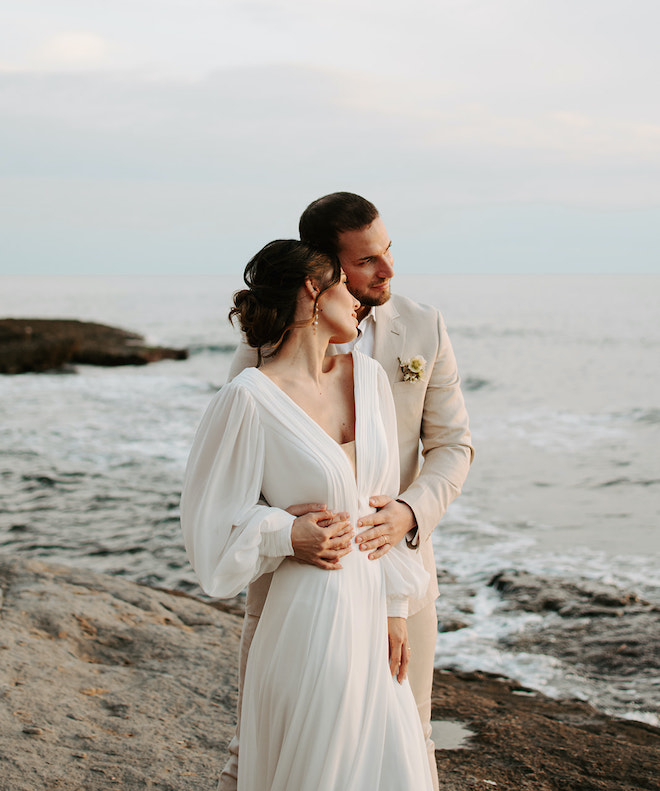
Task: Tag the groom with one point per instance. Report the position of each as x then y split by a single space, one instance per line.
429 408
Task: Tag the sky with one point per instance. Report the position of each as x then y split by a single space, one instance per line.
179 136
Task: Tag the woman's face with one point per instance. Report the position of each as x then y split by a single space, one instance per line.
338 312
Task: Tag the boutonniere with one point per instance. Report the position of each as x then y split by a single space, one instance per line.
412 369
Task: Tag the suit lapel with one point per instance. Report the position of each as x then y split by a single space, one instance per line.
389 339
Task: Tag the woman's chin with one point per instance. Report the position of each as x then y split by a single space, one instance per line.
344 337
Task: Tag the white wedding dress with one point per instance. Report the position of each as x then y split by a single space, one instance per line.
321 711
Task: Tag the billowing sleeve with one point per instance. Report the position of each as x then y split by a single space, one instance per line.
405 576
230 538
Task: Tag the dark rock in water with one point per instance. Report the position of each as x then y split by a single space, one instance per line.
605 632
451 625
615 649
49 344
22 350
541 594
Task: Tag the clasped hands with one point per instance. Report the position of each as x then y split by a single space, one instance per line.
321 538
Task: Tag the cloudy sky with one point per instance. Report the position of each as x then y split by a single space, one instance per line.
178 136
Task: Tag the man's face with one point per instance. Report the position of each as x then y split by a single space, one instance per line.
366 259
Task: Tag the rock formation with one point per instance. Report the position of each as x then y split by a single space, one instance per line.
49 344
106 685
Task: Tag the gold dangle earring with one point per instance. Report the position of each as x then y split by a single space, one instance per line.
315 322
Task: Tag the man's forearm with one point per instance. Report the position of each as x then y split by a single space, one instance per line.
431 493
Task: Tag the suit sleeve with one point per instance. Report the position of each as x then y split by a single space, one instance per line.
446 442
230 537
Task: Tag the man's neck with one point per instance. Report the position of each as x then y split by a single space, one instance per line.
363 312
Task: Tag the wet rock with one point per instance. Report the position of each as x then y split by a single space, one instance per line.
445 577
542 594
451 625
602 631
526 742
51 344
616 649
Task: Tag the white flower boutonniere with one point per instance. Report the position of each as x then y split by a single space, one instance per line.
412 369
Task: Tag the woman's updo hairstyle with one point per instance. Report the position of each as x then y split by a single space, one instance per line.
266 309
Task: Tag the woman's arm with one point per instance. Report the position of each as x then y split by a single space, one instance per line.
230 537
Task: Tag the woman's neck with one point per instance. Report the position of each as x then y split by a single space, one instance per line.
302 356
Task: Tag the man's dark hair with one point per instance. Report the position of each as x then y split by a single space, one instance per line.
324 219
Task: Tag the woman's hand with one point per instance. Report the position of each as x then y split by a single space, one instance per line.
397 633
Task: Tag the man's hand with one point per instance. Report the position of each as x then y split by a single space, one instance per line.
397 635
320 537
391 522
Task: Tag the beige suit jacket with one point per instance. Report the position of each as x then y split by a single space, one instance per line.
431 418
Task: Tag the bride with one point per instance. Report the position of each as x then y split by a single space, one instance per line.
324 708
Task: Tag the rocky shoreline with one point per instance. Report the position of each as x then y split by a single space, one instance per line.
107 684
34 345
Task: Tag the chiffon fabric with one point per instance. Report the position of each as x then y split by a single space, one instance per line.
320 711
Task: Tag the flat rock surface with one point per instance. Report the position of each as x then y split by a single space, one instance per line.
105 684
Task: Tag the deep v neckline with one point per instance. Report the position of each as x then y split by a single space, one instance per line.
309 418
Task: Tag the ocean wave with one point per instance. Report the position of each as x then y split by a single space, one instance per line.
627 482
472 383
651 416
213 348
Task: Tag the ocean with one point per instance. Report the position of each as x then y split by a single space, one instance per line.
549 560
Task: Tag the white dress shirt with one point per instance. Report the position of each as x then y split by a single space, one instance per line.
364 341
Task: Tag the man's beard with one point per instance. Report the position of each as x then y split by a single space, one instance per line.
370 301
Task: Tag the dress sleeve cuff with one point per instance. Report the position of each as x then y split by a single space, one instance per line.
277 543
397 607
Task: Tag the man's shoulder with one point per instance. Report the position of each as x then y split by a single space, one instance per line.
244 357
409 310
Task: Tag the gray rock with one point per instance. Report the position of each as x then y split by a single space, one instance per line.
606 632
107 684
533 593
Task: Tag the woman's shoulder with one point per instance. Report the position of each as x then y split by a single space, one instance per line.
240 389
245 380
